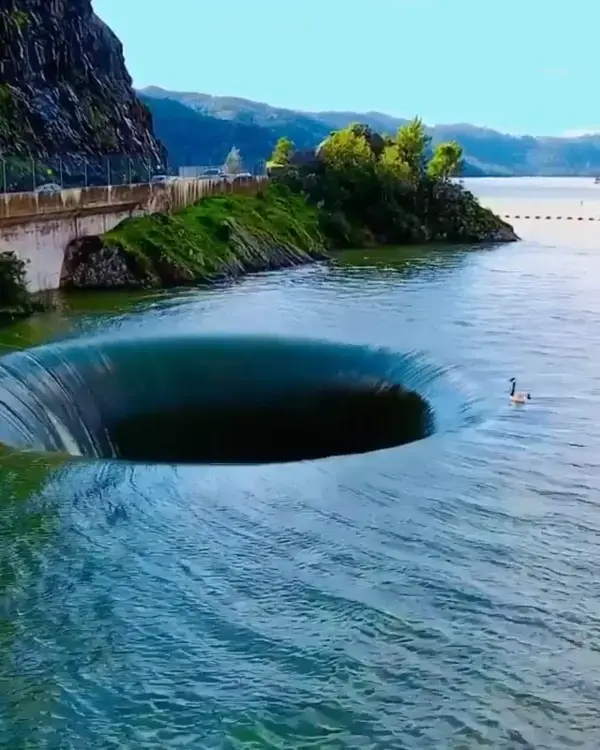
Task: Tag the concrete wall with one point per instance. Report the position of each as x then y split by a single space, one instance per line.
38 226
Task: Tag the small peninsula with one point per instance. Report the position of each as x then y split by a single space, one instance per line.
357 189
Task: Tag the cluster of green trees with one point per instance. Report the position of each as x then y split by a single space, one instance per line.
375 189
404 157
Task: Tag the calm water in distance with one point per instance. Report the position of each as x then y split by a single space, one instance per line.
535 188
441 595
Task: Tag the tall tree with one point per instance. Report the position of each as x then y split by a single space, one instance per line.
346 151
446 161
233 161
282 153
412 141
392 164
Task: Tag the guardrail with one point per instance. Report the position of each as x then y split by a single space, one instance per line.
149 197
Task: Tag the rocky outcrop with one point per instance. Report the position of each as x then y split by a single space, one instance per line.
457 216
90 263
64 87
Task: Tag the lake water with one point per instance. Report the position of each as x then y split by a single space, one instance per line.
444 594
534 188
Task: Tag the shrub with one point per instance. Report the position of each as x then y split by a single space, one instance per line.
13 286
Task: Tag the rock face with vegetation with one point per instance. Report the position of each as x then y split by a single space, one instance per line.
219 237
373 190
64 87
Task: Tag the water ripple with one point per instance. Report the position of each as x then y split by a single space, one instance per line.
440 595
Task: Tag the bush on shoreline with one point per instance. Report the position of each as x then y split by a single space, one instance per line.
14 297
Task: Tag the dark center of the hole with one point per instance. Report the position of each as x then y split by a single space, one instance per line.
327 422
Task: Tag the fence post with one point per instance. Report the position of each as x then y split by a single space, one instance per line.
4 186
108 170
85 172
60 171
129 168
33 172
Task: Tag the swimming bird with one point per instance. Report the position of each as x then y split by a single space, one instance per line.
517 397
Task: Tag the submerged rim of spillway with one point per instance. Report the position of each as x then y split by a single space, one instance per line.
220 399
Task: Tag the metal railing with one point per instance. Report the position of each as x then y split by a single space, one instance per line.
19 173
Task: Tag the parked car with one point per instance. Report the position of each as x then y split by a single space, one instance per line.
236 177
212 173
49 187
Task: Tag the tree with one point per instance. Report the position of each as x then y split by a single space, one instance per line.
375 140
346 151
233 161
446 161
412 142
392 165
282 153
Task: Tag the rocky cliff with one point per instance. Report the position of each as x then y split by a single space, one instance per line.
64 87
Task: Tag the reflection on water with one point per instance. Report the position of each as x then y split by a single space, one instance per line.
409 261
438 595
74 313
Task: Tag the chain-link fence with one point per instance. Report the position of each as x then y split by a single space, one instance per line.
20 173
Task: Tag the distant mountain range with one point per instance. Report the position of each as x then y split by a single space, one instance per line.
200 129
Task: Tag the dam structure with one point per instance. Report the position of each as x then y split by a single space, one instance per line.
38 227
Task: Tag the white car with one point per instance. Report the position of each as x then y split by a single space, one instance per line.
50 187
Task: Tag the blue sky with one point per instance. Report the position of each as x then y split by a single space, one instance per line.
521 66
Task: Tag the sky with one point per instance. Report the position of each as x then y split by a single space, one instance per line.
518 66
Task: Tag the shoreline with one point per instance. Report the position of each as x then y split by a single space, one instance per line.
223 238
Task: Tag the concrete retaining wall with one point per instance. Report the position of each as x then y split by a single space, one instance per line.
38 226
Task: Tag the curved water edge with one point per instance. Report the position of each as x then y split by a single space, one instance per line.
221 399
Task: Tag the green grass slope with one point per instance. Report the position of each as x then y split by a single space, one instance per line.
222 236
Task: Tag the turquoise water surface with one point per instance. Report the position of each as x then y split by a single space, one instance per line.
443 594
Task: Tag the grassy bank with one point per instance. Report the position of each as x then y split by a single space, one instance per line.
218 237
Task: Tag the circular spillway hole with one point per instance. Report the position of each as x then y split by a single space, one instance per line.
190 400
335 420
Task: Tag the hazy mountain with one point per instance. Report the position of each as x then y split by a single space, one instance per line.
306 131
195 139
486 151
